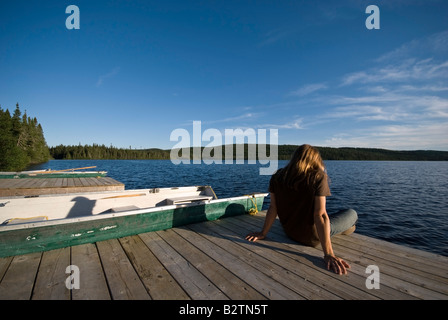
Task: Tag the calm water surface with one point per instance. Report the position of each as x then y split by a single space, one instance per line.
401 202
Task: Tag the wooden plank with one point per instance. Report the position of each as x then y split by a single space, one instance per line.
400 275
212 260
351 284
426 261
41 186
417 261
10 183
88 182
232 286
58 182
123 280
93 284
241 266
50 280
18 281
20 183
91 181
44 183
77 182
109 181
104 181
47 182
5 183
70 183
98 181
158 282
4 265
85 182
34 184
392 277
391 288
192 281
305 270
401 267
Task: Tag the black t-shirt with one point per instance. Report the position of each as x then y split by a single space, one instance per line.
295 208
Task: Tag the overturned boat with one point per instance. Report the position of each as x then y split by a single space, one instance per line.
31 224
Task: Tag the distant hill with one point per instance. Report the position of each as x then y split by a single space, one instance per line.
284 153
345 153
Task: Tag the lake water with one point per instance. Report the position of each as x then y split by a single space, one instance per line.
401 202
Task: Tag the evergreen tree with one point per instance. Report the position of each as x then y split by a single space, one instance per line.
22 141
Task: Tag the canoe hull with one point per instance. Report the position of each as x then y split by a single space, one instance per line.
43 236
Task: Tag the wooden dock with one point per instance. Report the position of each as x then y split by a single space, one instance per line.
212 260
48 186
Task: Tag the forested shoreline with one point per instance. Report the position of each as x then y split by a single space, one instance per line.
98 152
22 144
102 152
22 141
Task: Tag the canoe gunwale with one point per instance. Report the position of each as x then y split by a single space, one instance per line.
102 216
39 236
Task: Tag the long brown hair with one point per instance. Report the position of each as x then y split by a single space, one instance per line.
306 165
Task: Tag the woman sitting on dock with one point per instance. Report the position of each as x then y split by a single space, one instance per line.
298 196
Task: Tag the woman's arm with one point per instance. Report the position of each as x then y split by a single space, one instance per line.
322 222
269 220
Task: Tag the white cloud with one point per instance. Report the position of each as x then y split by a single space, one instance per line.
363 113
431 87
308 89
398 106
403 71
295 124
398 102
435 44
417 60
393 120
399 137
103 77
242 117
275 35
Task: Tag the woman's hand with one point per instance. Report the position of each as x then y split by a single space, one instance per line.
268 221
254 236
336 264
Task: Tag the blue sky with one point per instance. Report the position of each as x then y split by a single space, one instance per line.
137 70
